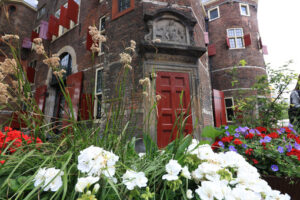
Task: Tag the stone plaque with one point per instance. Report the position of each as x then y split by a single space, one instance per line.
170 30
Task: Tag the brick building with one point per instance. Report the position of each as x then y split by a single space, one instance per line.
191 55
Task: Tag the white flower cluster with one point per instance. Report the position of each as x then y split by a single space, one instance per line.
95 161
38 46
216 179
132 179
97 38
83 183
8 37
49 179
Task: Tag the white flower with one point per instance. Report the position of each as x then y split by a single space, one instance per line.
141 155
209 191
82 183
185 173
53 179
189 194
206 171
132 179
243 194
40 177
173 168
96 188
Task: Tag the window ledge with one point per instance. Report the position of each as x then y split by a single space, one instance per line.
64 33
237 48
210 20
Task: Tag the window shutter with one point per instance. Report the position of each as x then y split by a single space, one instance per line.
86 107
265 50
34 35
227 42
17 121
53 26
211 50
43 30
30 71
72 11
63 20
89 41
26 43
40 97
219 108
247 40
74 85
206 38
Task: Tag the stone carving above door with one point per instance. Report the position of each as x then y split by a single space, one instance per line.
170 26
170 30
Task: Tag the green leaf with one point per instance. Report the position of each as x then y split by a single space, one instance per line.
211 132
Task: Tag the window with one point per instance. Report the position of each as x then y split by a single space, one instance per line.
102 26
33 64
57 14
235 38
213 13
229 105
12 9
121 7
244 8
98 94
41 12
66 64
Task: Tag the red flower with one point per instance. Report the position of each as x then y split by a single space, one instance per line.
7 129
215 145
254 161
227 139
237 142
261 129
249 151
249 136
273 135
2 161
287 129
294 152
291 136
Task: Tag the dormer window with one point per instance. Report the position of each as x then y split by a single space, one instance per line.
244 8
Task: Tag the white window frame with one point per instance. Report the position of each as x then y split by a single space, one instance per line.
228 107
96 94
235 39
102 33
247 7
212 10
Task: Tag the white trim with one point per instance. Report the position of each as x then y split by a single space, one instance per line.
235 38
238 67
247 7
211 9
228 107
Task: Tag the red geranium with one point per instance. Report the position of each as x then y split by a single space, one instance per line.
294 152
249 151
261 129
237 141
254 161
227 139
273 135
249 136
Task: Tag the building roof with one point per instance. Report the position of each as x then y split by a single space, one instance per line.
21 2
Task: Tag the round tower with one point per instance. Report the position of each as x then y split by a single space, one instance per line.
235 49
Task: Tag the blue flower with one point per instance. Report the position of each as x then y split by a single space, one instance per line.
274 168
297 146
280 149
289 148
226 127
227 133
290 125
236 135
262 141
267 139
232 148
221 144
244 146
279 132
252 131
282 130
257 131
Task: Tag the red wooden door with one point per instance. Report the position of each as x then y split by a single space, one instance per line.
170 86
219 108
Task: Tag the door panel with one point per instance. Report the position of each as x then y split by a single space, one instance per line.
219 108
171 86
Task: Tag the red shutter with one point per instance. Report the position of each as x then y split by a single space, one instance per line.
72 11
206 38
227 42
30 71
63 20
211 50
219 108
43 30
89 41
17 121
74 85
169 85
26 43
40 97
53 26
247 39
34 35
86 107
265 50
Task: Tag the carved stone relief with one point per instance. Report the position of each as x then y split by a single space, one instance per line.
169 30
